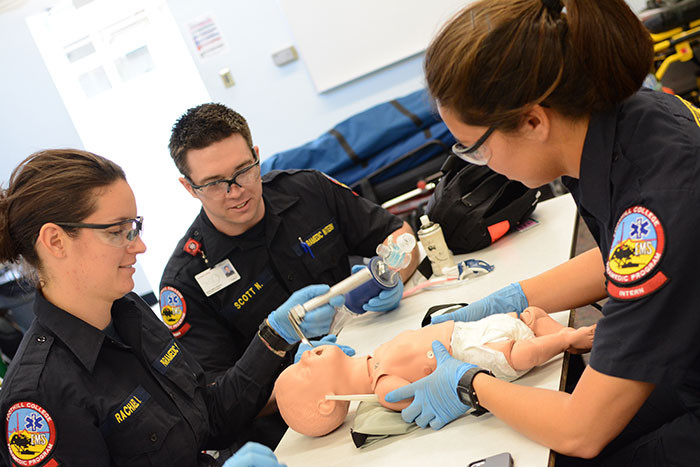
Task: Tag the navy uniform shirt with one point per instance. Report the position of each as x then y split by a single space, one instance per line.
75 395
299 204
639 192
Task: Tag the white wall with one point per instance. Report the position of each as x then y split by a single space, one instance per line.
280 103
32 115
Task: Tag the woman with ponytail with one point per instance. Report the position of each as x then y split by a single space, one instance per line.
542 89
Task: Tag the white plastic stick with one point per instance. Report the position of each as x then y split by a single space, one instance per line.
353 397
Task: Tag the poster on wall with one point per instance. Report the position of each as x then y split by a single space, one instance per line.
206 37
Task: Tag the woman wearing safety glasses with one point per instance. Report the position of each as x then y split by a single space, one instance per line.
98 380
541 89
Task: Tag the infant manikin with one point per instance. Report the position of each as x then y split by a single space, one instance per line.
505 344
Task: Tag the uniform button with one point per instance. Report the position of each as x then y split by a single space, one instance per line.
154 437
196 233
41 339
290 277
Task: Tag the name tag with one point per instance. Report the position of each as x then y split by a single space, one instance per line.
220 276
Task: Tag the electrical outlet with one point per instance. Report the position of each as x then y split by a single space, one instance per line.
226 77
284 56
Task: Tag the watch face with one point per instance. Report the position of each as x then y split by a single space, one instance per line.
463 394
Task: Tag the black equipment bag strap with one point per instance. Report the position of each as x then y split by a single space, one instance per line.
346 147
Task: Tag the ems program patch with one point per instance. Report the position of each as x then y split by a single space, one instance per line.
31 434
339 183
637 247
173 308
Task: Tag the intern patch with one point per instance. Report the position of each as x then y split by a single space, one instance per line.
173 308
31 434
320 234
637 246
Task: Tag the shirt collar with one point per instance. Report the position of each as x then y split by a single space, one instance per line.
596 164
218 245
81 338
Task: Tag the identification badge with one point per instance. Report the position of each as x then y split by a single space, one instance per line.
220 276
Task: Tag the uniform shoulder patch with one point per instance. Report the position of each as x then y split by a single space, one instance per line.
173 310
339 183
637 248
31 433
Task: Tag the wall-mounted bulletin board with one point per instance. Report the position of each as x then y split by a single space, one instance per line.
341 40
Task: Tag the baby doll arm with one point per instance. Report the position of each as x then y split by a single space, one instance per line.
385 385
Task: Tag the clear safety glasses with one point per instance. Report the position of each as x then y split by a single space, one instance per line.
477 153
118 234
219 188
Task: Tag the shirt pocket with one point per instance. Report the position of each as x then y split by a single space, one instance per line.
172 363
137 434
329 253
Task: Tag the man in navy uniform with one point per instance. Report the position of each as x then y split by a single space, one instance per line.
271 235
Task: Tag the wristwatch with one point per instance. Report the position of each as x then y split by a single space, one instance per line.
274 340
466 392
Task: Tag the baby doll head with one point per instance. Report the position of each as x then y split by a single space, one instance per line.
301 392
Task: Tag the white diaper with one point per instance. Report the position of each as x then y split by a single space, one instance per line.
468 339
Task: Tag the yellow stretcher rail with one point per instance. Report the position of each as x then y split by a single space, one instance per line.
677 39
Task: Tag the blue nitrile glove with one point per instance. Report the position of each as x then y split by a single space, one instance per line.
253 455
509 298
317 322
435 402
386 300
330 339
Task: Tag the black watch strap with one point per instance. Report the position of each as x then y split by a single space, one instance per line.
466 392
274 340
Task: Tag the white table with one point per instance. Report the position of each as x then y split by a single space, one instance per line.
517 256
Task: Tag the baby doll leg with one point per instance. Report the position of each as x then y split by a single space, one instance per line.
526 354
539 321
542 324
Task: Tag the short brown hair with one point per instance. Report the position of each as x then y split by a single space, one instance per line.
497 58
55 185
203 126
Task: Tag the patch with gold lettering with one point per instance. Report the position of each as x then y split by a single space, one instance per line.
318 235
637 247
125 411
173 310
695 112
31 434
171 352
248 294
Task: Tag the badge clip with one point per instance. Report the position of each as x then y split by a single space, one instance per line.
193 247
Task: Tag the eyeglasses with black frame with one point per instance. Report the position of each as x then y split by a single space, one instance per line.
220 188
123 233
477 153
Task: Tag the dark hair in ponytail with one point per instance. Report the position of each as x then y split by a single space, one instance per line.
497 58
55 185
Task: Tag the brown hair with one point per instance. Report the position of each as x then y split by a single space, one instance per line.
497 58
203 126
55 185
